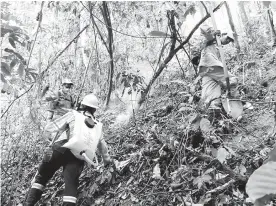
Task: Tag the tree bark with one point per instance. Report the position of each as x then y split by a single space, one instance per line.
231 22
267 5
107 20
243 12
166 61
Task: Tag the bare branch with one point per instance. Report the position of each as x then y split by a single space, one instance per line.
204 7
76 37
196 27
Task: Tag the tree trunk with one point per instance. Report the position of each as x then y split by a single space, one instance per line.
243 12
39 72
107 20
231 22
272 27
166 61
267 5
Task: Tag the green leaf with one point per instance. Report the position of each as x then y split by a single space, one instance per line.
262 183
191 10
12 42
159 33
16 54
5 69
201 179
13 63
21 70
222 155
32 75
205 125
3 79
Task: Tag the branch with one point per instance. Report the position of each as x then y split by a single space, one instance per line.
38 26
222 187
76 37
94 23
16 99
42 73
85 74
204 7
196 27
166 61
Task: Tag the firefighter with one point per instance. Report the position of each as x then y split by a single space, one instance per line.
63 157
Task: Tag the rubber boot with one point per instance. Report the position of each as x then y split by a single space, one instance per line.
33 197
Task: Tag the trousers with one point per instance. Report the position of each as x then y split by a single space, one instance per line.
211 89
72 168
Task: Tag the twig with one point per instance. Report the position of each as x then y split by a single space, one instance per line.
196 27
94 24
85 74
145 186
139 37
180 65
204 7
167 192
15 100
76 37
222 187
42 73
96 45
222 167
38 26
252 101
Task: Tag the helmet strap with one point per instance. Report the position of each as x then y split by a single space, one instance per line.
85 109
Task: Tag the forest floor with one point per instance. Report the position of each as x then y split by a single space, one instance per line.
168 155
171 153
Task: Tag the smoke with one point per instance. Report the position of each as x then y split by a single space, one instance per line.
131 106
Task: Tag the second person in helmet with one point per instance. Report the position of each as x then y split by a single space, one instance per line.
61 100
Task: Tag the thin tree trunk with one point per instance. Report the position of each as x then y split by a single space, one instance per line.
272 27
267 5
243 12
166 61
39 72
106 16
243 16
231 22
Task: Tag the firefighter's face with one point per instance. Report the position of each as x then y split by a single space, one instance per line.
66 87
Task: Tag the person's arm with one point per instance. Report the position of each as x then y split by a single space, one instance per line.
103 150
226 39
51 96
60 123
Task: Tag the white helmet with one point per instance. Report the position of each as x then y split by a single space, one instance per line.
91 100
66 81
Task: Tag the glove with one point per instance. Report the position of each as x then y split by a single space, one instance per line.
217 33
108 162
197 79
48 154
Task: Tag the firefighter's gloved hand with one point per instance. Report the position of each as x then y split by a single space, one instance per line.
197 79
46 137
217 33
108 162
48 154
